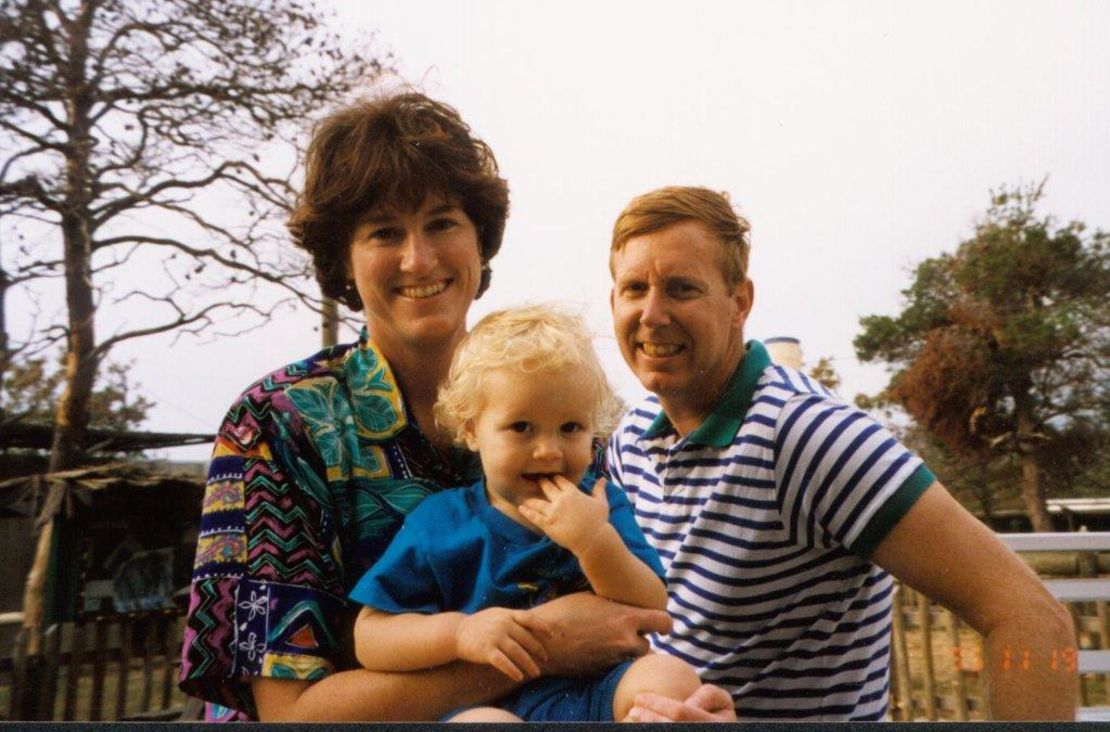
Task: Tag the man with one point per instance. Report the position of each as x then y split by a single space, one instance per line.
780 511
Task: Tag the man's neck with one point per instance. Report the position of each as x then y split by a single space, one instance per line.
687 410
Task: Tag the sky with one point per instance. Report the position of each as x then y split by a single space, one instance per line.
858 138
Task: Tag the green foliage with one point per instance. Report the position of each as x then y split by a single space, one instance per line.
825 374
30 391
1003 348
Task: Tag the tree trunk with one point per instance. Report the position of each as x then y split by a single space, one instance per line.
5 348
1032 493
71 417
1032 488
329 323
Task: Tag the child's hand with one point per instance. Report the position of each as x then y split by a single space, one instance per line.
504 639
571 518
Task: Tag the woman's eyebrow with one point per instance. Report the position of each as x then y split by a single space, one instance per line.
443 208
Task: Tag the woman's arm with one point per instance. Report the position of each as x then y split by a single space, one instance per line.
585 634
580 524
361 695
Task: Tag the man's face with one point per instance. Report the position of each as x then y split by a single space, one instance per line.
678 322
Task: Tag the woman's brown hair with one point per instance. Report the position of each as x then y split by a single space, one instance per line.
392 153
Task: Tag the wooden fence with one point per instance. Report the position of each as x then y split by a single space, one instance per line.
937 664
116 667
124 667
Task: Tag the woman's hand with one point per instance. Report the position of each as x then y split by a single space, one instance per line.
568 516
505 639
707 704
587 633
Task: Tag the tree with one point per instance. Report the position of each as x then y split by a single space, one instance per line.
143 141
1003 348
825 373
29 392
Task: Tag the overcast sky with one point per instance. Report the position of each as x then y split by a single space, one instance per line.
857 137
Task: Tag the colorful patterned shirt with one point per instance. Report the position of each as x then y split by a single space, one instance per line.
314 469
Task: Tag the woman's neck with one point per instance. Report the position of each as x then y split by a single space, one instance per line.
419 376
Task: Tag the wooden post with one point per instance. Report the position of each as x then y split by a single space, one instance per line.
96 703
19 665
1088 567
926 623
35 588
52 639
169 648
957 666
901 657
150 627
124 671
73 676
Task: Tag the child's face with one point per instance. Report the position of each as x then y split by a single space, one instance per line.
531 425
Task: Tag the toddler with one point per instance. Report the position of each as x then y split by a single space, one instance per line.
526 391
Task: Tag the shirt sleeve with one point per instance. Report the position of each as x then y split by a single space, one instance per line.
838 473
403 580
624 521
266 597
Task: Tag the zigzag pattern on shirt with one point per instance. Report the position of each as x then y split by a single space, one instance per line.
279 547
213 604
287 569
253 407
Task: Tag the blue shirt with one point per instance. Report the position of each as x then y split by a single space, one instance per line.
456 552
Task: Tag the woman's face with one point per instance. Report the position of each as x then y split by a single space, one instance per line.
416 273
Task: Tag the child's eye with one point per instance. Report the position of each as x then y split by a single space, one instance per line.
571 427
521 427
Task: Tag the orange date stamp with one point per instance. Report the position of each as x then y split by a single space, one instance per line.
1063 660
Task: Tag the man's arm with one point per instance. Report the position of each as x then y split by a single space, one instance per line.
941 550
590 634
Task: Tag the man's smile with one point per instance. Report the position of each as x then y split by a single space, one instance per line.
660 350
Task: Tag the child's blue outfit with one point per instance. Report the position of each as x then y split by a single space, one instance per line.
457 553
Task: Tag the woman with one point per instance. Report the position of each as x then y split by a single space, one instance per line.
316 465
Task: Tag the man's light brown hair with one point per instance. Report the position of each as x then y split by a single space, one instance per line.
671 205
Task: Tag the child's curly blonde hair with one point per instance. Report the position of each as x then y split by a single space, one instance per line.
532 339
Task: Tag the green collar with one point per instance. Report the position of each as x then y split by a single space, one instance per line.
722 424
376 402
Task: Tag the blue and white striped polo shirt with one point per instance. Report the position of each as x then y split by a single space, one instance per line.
765 517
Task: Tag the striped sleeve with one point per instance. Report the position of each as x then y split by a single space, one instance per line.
842 478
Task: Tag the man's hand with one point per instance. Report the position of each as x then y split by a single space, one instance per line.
568 516
588 634
505 639
707 704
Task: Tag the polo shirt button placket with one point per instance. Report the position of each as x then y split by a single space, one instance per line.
672 454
